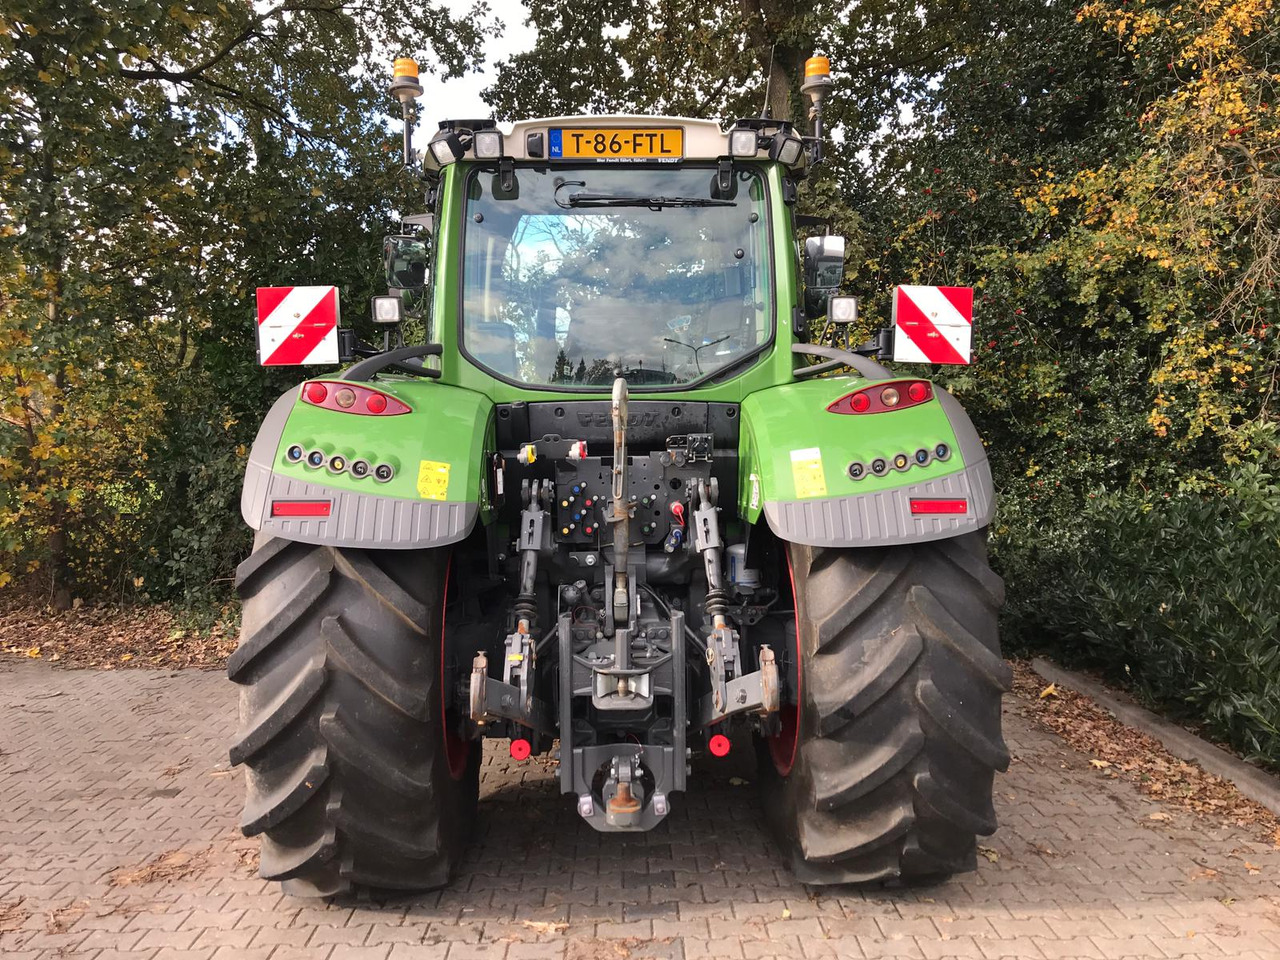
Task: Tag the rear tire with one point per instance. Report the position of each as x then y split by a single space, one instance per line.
342 734
898 738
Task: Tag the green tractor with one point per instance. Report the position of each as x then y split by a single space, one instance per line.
616 509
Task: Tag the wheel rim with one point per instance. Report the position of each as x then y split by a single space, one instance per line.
784 744
456 750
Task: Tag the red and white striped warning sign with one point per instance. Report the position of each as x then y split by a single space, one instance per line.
932 324
297 325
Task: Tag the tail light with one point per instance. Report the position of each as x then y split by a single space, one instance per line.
352 398
897 395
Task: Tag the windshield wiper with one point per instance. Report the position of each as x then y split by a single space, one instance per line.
697 350
653 203
640 376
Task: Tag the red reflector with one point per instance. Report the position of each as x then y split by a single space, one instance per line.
939 506
316 392
301 508
918 391
859 402
376 403
719 745
520 749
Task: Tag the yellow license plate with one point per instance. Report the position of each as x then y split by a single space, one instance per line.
589 143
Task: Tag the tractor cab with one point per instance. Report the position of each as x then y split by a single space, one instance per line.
587 248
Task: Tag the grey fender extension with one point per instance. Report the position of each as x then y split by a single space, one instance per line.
356 519
884 517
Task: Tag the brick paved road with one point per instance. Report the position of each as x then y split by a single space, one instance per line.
103 772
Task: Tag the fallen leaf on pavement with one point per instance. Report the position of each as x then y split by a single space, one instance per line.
1100 764
786 913
1138 758
167 867
114 636
12 915
990 854
1159 816
546 926
1050 691
1251 868
596 949
61 919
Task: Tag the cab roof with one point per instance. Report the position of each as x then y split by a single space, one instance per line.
533 139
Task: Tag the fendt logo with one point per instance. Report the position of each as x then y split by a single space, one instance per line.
605 419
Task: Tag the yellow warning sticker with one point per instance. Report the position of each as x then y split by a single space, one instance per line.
433 480
806 472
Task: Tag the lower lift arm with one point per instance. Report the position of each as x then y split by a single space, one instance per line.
732 692
511 698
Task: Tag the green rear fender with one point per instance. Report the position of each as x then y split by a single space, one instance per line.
795 463
437 452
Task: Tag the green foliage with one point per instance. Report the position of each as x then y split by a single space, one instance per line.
1082 171
157 163
1175 594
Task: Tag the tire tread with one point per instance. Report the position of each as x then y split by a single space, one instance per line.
341 724
900 729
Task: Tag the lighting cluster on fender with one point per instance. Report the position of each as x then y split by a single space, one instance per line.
901 462
352 398
882 397
337 463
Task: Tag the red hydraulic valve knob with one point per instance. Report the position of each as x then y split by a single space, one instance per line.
520 749
719 745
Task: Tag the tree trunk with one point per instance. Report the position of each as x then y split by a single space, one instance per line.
58 559
58 569
788 65
781 61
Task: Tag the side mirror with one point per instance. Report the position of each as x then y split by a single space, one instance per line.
823 272
405 260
